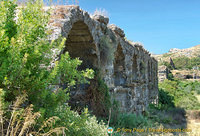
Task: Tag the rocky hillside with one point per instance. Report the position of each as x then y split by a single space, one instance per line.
189 54
183 63
175 53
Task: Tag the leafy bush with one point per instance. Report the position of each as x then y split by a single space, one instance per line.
184 62
130 121
165 100
167 64
27 66
190 86
25 62
170 76
80 125
183 96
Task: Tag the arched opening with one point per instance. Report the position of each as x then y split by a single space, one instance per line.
119 67
80 45
135 68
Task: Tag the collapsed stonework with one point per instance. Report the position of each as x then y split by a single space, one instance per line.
163 73
127 68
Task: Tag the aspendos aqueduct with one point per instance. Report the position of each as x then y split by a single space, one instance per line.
127 68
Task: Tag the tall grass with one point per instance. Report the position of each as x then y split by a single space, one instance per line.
19 120
101 12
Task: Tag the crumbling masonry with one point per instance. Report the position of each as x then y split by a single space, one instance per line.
127 68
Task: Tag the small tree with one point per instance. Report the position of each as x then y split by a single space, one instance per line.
28 66
26 57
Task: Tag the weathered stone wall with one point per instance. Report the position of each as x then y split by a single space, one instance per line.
163 72
127 68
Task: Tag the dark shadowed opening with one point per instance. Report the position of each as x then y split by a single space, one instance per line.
134 68
119 67
80 45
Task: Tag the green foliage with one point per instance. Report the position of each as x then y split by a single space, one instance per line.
10 25
115 112
170 76
181 92
128 120
104 90
27 66
168 116
183 62
80 125
190 87
186 63
26 58
165 100
131 121
168 65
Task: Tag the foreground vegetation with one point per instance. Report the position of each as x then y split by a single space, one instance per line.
27 68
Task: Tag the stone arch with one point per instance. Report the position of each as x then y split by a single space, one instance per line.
80 44
119 67
135 68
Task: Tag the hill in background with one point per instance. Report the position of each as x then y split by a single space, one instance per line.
181 63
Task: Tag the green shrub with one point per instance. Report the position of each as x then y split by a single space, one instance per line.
182 93
165 100
170 76
80 125
168 65
184 62
25 67
26 58
130 121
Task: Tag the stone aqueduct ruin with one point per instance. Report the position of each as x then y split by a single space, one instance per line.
127 68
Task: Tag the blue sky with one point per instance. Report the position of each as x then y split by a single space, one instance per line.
159 24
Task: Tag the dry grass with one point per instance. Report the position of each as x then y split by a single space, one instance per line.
63 2
193 122
101 12
51 2
22 120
